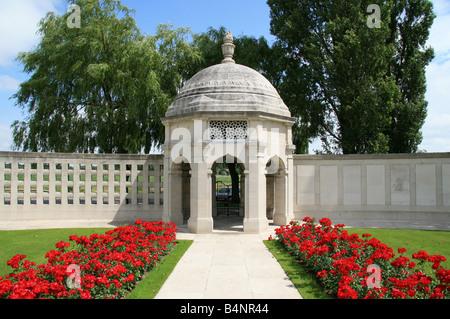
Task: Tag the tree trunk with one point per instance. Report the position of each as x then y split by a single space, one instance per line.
234 182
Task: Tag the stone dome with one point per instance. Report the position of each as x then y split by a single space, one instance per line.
228 88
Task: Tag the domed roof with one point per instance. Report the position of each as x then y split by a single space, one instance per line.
228 88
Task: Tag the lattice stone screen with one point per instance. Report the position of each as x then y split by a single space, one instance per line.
228 130
73 186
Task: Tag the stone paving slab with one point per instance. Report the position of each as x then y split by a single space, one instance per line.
231 265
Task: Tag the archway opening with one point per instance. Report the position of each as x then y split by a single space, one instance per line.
228 202
181 191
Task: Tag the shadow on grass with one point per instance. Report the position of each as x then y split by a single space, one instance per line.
306 284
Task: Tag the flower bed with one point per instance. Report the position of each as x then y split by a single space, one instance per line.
351 267
101 266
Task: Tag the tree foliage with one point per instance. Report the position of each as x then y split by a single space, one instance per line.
359 88
410 25
102 87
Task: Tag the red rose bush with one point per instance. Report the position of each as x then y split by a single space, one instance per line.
101 266
350 267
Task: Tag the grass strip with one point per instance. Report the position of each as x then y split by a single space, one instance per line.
306 284
434 242
150 284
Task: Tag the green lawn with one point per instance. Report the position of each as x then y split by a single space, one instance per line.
434 242
36 243
225 179
307 285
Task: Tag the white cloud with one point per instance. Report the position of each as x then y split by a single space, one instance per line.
439 120
18 25
438 79
8 83
5 138
440 38
436 145
441 7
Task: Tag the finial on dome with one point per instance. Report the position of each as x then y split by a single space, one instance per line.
228 48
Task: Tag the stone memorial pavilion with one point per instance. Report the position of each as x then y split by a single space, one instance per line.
228 112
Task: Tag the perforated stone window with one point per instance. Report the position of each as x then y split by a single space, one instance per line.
228 130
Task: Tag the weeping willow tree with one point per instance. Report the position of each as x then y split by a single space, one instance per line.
101 86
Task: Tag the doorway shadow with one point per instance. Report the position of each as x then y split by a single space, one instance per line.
234 224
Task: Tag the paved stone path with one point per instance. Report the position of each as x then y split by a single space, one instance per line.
228 265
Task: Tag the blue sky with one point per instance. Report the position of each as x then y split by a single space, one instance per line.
19 18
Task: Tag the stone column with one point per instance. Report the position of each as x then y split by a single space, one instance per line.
290 178
213 194
255 220
243 195
201 218
281 199
270 195
167 184
176 190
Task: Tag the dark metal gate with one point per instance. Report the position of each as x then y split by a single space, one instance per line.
224 204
